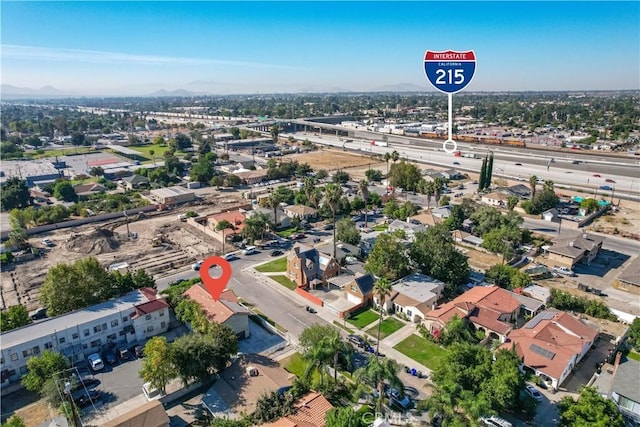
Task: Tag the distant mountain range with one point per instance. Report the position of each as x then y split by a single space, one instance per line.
177 92
25 92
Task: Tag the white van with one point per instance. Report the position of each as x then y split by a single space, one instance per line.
249 250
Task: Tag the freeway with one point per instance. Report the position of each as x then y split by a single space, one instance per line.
510 164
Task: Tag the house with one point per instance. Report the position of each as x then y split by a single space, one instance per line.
567 252
283 221
135 181
414 296
241 385
236 218
425 218
150 414
551 215
463 237
343 250
551 345
308 411
408 228
629 279
301 212
251 177
171 196
309 268
359 291
619 382
85 190
537 292
489 308
521 191
367 240
495 199
451 174
133 317
226 310
442 212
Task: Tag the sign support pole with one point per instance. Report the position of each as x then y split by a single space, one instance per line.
450 96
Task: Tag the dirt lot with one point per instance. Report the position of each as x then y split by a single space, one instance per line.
333 160
181 245
480 260
623 222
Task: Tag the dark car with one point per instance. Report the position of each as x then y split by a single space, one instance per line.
138 350
84 399
110 357
311 310
87 382
609 180
456 163
123 353
518 164
328 227
276 253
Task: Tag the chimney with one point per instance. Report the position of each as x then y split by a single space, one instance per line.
571 243
616 362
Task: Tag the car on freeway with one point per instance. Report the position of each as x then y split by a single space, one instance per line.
610 180
533 392
95 362
494 421
606 187
47 242
597 175
518 164
138 350
277 252
456 163
196 265
110 357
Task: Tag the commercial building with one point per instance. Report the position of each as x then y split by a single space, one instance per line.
172 195
34 172
134 317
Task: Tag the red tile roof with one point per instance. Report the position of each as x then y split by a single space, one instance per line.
235 218
310 412
217 311
150 307
561 335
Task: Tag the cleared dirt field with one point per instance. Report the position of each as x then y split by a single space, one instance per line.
181 245
333 159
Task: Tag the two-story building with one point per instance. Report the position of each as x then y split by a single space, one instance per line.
226 310
414 296
310 268
133 317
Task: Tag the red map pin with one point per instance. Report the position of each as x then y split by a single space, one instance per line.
215 285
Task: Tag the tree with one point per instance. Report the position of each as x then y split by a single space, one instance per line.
373 175
275 132
376 373
96 171
198 356
332 195
18 237
404 175
322 174
271 406
507 277
533 182
318 358
14 421
512 202
181 142
202 170
381 290
482 180
388 258
157 366
456 218
363 189
434 254
152 153
347 232
15 317
255 226
14 193
217 181
387 157
589 205
503 386
77 139
63 190
591 409
222 226
634 334
343 417
489 171
503 240
70 287
232 180
41 369
340 177
444 200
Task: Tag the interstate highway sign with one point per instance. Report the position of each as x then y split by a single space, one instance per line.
449 71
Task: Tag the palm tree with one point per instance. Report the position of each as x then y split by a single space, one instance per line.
429 190
332 195
533 182
317 358
336 347
363 189
308 188
314 197
376 372
395 156
151 153
387 157
274 203
221 226
382 289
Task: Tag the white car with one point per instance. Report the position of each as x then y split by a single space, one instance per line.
95 362
48 243
494 421
196 265
564 270
533 392
230 256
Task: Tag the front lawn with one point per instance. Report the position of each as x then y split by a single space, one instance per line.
633 355
380 227
387 327
422 351
284 281
297 365
275 266
158 151
363 318
288 232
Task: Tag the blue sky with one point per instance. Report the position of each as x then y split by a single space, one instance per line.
121 48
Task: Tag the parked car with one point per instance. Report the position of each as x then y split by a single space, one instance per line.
277 252
298 236
355 339
494 421
85 399
95 362
85 383
563 270
48 243
110 357
533 392
123 353
138 350
249 250
328 227
196 265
